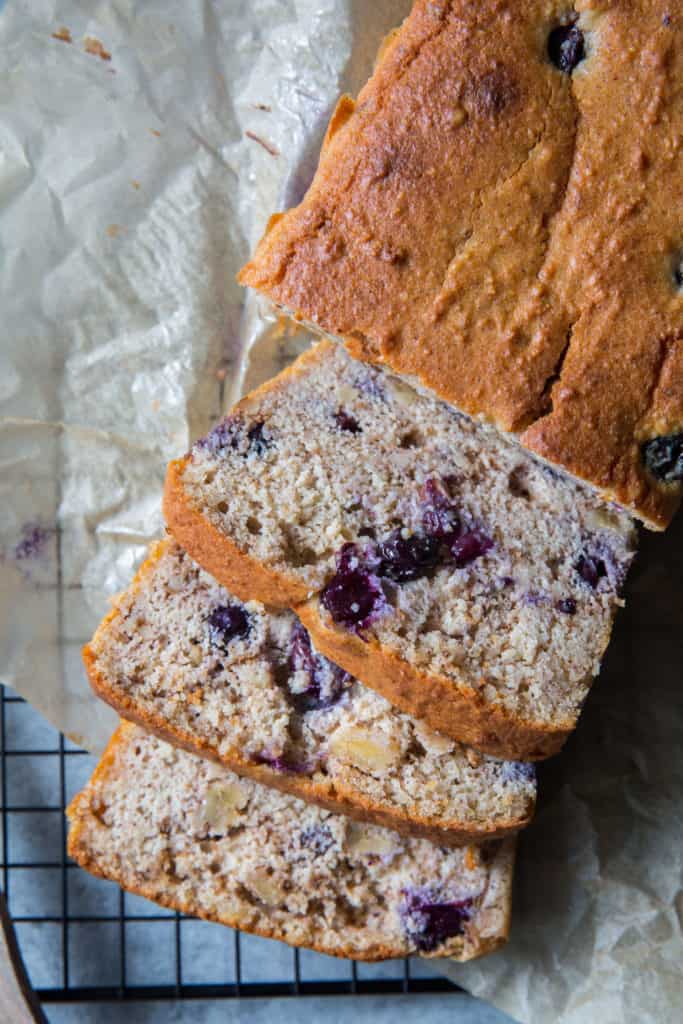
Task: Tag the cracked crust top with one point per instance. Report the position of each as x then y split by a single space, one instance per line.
509 233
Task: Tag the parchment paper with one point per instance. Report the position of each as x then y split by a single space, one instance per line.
138 164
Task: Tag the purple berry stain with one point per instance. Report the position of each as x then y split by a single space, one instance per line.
34 541
231 434
441 519
428 922
470 545
317 838
518 771
228 622
354 596
326 681
439 515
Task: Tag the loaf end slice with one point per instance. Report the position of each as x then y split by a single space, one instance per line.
211 844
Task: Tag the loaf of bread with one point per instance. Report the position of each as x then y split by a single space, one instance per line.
243 685
193 836
427 554
499 216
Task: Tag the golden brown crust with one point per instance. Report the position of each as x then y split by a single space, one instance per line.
78 850
343 801
507 233
454 709
246 577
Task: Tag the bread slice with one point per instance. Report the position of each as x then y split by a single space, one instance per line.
427 554
243 685
193 836
499 216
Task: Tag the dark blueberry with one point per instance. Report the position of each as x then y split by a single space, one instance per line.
663 456
317 838
354 596
518 771
228 622
566 47
439 515
258 443
591 570
469 545
428 923
567 606
678 274
407 558
345 421
281 764
327 681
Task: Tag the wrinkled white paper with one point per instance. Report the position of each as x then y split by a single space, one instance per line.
138 164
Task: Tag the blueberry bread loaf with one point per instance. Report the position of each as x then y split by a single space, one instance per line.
183 657
427 554
499 216
217 846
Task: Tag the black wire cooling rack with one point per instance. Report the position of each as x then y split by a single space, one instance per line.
63 937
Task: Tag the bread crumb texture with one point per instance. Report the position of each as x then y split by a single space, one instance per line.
193 836
245 685
426 534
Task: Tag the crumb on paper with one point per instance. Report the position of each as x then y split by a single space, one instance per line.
114 230
34 540
262 106
221 373
94 46
135 184
63 34
155 132
76 737
266 145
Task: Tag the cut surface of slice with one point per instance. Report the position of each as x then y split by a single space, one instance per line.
426 553
193 836
499 216
244 685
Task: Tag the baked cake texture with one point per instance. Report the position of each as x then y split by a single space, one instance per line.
221 847
244 685
499 216
428 555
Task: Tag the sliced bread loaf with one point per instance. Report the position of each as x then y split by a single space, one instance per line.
191 835
427 554
243 685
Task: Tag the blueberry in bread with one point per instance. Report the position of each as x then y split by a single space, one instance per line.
244 685
221 847
427 554
500 216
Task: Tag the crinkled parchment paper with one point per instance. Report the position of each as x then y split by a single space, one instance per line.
142 145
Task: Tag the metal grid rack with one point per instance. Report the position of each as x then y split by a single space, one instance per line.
58 911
